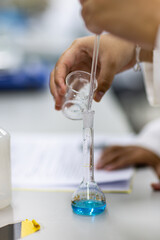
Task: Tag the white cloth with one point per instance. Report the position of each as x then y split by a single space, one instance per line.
150 135
152 75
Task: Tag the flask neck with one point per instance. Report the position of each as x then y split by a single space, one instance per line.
88 148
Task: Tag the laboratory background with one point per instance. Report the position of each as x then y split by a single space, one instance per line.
33 35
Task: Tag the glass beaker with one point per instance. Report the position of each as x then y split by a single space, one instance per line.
76 98
88 199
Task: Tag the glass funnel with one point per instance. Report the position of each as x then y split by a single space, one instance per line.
88 199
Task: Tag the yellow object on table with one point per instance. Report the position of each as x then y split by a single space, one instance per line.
29 227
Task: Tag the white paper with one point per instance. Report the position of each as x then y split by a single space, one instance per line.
55 162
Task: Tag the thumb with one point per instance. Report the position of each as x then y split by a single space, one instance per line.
104 82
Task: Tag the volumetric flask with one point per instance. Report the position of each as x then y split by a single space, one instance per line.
76 98
88 199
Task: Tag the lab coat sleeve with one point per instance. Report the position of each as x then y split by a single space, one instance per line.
149 137
152 76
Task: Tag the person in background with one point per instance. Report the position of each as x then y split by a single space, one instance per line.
144 150
116 55
139 22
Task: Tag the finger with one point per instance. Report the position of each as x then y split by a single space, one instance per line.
105 79
121 162
60 73
155 186
57 97
114 148
128 156
109 157
54 91
62 68
52 85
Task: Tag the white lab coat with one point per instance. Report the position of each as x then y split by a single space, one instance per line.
150 135
152 75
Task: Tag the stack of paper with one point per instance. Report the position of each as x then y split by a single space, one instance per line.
54 162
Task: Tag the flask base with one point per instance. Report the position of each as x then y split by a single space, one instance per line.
88 207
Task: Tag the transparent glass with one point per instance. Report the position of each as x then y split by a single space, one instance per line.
88 199
76 98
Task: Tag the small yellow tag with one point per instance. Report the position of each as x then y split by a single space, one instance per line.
29 227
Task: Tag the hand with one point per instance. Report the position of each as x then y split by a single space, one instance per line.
116 157
134 20
115 55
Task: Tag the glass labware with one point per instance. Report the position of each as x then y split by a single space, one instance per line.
76 98
88 199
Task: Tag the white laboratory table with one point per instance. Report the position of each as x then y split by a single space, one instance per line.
134 216
33 112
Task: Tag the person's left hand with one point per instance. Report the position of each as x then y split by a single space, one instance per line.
134 20
117 157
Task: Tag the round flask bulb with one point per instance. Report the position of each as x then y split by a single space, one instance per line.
88 200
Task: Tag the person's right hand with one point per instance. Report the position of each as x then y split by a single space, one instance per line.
115 55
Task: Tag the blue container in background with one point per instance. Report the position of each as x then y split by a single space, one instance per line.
33 76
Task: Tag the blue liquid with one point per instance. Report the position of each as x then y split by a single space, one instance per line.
88 207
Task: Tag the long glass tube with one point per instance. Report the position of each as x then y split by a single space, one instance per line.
93 70
88 146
